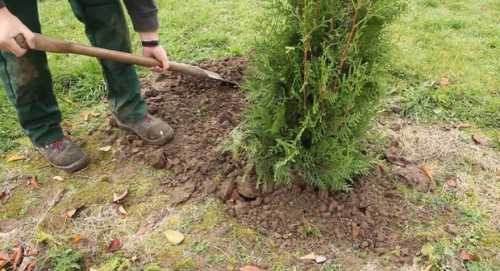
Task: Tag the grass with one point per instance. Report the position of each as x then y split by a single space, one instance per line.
456 40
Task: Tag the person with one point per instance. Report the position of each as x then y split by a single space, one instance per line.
28 81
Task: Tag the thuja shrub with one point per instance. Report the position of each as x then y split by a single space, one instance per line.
314 88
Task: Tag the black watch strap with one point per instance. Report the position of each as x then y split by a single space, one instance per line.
150 43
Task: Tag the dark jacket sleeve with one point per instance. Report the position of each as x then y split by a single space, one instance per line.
144 14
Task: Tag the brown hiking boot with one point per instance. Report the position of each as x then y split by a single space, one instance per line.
150 129
65 154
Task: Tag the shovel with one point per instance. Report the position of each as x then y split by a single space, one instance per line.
42 43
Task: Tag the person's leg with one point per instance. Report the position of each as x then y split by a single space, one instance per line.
28 83
106 27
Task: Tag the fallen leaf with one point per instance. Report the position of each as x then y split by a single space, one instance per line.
4 257
381 169
451 183
15 157
29 252
105 148
3 263
308 257
174 237
118 198
58 178
95 114
355 231
122 211
30 267
479 140
4 196
463 125
427 170
78 239
466 256
114 245
251 268
17 256
33 182
428 268
320 259
444 82
72 212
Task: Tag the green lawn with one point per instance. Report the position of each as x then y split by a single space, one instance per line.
454 39
434 39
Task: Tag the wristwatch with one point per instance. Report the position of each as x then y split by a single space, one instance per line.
150 43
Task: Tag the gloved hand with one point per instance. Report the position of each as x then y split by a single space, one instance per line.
11 26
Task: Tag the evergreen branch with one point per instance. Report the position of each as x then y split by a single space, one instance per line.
348 45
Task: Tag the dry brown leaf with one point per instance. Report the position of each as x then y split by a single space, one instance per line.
33 182
381 168
29 252
58 178
122 210
72 212
308 257
4 257
451 183
466 256
463 125
479 140
105 148
17 256
114 245
251 268
30 267
427 170
355 231
428 268
15 157
78 239
118 198
4 260
4 196
444 82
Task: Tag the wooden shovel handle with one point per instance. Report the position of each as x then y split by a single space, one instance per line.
42 43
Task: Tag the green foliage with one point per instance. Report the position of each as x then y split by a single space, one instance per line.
315 89
116 263
64 259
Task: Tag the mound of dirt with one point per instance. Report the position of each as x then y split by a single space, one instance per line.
203 113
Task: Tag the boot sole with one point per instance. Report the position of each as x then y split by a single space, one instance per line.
74 167
159 142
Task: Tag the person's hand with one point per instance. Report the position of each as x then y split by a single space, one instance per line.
156 52
159 54
11 26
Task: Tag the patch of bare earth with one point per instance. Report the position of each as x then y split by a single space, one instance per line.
371 218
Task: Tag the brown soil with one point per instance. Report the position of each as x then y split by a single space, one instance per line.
371 217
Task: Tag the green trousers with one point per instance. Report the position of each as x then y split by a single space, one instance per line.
28 80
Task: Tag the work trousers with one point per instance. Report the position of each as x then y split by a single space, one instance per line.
28 81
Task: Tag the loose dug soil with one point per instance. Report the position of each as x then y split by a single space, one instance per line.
203 113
